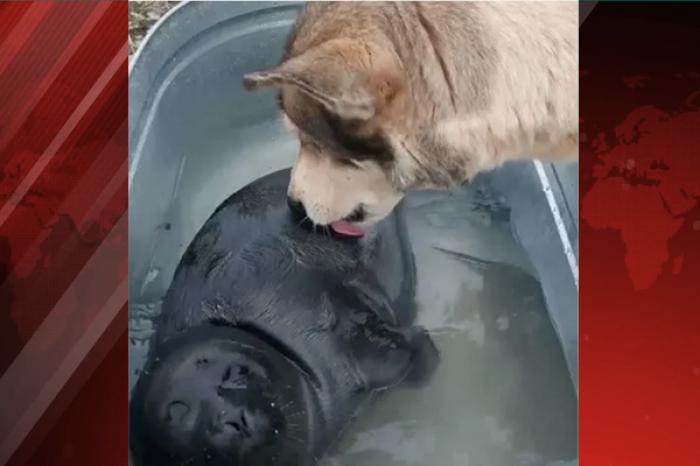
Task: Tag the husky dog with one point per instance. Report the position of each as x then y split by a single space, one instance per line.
390 97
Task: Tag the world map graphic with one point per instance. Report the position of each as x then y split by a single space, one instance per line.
636 191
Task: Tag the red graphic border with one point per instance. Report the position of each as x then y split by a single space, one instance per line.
63 236
639 238
63 233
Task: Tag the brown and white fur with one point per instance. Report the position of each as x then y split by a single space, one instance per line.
389 97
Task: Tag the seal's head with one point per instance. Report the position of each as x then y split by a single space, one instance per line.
219 395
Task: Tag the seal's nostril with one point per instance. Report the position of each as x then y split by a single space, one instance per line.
227 375
177 412
296 207
240 425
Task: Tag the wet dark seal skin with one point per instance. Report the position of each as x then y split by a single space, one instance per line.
272 337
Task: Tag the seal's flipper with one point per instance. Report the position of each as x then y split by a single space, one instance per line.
393 263
398 357
425 359
384 354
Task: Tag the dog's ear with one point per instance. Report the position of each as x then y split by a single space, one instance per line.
351 79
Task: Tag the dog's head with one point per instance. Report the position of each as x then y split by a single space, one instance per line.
344 98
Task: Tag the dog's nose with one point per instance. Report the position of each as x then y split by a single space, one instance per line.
357 215
297 208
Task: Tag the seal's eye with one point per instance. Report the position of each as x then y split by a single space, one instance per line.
242 371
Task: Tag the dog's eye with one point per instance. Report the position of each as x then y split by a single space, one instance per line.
348 163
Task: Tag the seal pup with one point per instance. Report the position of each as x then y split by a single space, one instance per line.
272 337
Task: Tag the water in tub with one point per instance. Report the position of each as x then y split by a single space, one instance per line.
502 395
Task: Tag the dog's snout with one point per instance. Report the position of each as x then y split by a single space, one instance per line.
297 208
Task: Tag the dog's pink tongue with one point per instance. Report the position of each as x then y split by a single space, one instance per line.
347 229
